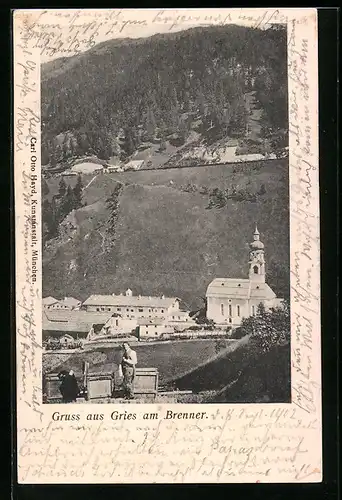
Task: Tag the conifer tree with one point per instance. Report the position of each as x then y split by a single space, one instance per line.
112 204
77 193
62 188
150 124
127 144
67 203
45 188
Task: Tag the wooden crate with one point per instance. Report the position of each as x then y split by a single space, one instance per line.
146 383
51 384
100 385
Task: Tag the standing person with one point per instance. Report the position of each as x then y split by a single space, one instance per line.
129 360
69 386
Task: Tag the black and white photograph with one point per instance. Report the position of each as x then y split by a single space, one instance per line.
165 218
167 224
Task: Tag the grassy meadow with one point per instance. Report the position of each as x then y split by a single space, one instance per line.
172 359
216 371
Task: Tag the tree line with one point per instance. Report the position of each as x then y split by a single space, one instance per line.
218 198
61 204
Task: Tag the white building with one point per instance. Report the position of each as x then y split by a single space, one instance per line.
180 320
87 168
134 165
68 303
114 327
153 328
229 299
133 307
111 169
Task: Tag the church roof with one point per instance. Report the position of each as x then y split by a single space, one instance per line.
239 289
257 244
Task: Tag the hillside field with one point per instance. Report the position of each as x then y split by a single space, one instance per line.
216 371
167 240
172 359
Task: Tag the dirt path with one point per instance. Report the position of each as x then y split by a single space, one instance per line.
90 182
254 116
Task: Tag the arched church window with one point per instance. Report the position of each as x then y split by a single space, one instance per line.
256 269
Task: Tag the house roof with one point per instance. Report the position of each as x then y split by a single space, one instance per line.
134 163
47 301
79 316
66 335
239 288
86 167
72 322
70 301
180 313
150 321
129 301
59 332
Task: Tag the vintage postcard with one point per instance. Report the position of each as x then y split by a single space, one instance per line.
167 246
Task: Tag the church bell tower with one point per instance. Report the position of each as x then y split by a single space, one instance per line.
257 259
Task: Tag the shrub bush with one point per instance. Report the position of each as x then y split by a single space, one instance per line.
268 328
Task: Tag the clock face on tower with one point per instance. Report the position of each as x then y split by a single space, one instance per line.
257 257
260 258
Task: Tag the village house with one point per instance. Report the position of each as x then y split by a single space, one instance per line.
110 169
180 320
67 340
229 300
76 324
153 328
68 303
87 168
115 327
69 173
48 302
133 307
134 165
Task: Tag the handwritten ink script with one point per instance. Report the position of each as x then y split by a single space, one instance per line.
304 209
66 33
235 444
27 199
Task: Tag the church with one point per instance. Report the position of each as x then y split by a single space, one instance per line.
229 300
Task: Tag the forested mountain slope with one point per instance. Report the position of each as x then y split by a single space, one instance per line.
125 93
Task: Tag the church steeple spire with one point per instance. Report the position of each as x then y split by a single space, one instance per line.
257 258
